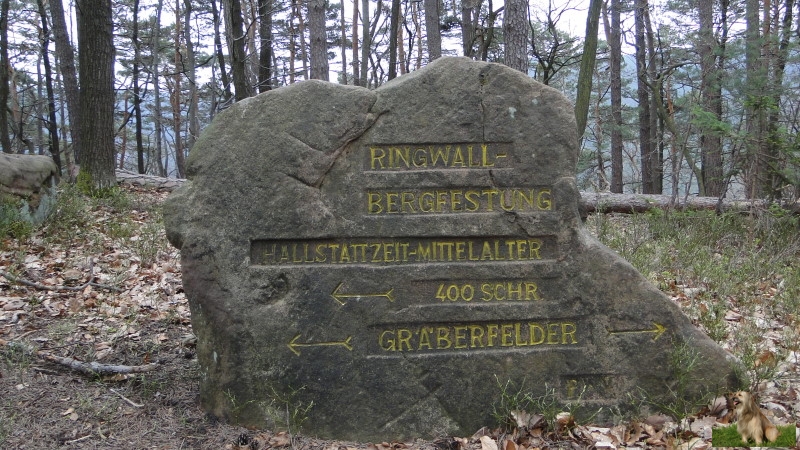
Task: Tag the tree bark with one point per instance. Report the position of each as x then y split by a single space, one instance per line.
319 39
233 17
191 77
434 35
613 36
155 51
343 29
636 203
223 74
394 26
587 66
5 139
356 65
711 98
96 53
66 61
175 96
515 33
265 50
656 132
137 100
366 45
645 132
52 124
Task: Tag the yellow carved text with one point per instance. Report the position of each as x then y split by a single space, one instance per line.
459 156
459 201
478 336
488 291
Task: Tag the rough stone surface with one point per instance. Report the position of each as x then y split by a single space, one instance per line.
398 290
30 179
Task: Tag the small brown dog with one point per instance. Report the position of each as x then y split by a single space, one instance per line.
750 421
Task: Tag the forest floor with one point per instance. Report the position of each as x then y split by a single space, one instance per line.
99 283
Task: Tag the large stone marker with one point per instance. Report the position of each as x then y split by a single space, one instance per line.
393 254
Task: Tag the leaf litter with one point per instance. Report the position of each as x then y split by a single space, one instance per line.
103 297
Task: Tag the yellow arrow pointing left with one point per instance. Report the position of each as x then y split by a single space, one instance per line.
340 297
295 346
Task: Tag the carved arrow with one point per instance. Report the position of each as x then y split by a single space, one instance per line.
338 296
295 346
657 331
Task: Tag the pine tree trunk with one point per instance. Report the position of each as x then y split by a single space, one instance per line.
319 42
190 71
175 97
366 45
137 100
711 98
96 53
265 52
223 74
343 26
515 32
52 126
66 61
432 31
613 36
356 65
394 25
233 17
645 133
587 66
755 175
5 139
154 49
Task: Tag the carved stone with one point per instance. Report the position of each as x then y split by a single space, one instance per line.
396 255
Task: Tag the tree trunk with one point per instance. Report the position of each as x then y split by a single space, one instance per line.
223 74
191 75
265 50
469 19
637 203
613 36
656 138
137 100
52 125
301 32
5 139
587 66
66 61
96 53
343 49
645 133
394 27
711 98
515 32
233 17
431 28
175 97
365 42
754 105
356 65
778 67
319 39
154 49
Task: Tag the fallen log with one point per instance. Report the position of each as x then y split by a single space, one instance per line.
152 181
606 202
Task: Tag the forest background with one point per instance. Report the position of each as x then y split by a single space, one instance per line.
681 97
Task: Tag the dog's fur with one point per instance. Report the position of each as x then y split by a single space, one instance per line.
751 423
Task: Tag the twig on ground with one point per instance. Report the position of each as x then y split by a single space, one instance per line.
44 287
78 440
94 368
127 400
